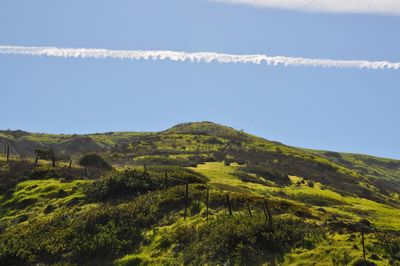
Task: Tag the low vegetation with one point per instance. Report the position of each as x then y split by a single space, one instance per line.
196 194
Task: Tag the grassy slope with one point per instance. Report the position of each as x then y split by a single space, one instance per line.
47 192
381 215
30 198
35 198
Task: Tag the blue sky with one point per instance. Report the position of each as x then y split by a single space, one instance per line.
335 109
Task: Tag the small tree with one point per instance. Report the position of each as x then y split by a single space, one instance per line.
94 160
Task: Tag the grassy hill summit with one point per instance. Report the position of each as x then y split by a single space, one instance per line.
197 193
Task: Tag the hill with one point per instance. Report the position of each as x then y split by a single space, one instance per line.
247 199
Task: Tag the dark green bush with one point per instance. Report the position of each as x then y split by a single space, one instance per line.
267 173
176 172
390 242
44 173
162 160
136 182
94 160
361 262
121 184
317 200
190 161
49 208
249 178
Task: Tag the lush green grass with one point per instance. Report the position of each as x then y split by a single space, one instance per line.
337 249
223 177
381 215
35 198
6 136
153 253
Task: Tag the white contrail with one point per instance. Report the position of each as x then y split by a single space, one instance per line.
390 7
195 57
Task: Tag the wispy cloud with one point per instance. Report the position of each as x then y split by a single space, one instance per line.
207 57
391 7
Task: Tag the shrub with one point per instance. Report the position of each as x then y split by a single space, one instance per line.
390 243
213 141
317 200
341 258
226 240
94 160
134 182
49 208
117 184
361 262
249 178
267 173
99 233
44 173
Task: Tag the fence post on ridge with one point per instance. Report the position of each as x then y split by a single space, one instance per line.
207 199
186 198
249 210
229 204
268 214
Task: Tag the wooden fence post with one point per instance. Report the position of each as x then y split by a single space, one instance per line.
269 214
229 204
144 168
207 199
8 153
166 179
186 197
363 243
70 164
265 213
249 210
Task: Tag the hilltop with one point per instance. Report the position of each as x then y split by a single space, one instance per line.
135 213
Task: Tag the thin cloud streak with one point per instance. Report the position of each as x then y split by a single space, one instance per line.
207 57
388 7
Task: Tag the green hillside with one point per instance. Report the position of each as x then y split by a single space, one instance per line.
195 194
